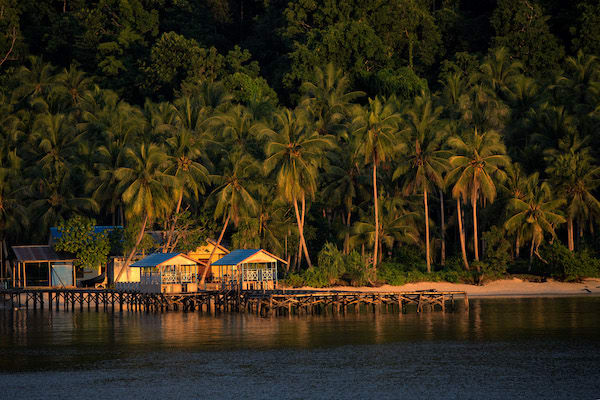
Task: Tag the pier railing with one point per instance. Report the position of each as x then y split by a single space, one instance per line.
276 302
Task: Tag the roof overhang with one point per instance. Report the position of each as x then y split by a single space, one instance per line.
37 254
162 259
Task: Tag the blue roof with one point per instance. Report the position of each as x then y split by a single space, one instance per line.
56 234
156 259
236 257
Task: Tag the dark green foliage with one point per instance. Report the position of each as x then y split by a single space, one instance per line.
497 251
562 264
100 99
79 239
402 82
522 27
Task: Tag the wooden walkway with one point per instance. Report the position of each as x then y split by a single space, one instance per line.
263 303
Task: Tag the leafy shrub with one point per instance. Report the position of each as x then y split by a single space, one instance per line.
356 272
568 266
331 263
333 266
497 252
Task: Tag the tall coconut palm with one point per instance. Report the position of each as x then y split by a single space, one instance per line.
73 83
191 175
498 71
296 152
423 159
239 129
538 213
342 179
517 186
34 80
375 137
475 170
397 226
55 201
328 98
233 194
145 188
580 85
58 141
575 174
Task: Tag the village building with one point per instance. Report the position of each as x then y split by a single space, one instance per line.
164 273
40 265
247 269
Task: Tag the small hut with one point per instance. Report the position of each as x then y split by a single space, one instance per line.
164 273
40 265
248 269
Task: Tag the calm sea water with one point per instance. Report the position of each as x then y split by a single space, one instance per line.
503 348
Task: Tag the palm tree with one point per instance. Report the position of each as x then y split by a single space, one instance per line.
73 83
424 160
580 85
233 194
374 133
397 225
58 141
54 201
296 152
144 185
476 168
343 183
239 129
191 175
535 215
575 174
517 185
35 80
499 70
328 98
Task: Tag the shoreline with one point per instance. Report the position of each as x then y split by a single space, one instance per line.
501 288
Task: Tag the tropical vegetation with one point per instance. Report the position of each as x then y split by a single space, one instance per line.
362 141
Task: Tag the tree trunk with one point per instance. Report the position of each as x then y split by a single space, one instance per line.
531 253
347 237
172 230
443 218
428 258
376 244
301 232
132 253
517 246
570 233
475 241
212 252
462 235
1 260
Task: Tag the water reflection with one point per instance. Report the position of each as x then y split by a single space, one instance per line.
501 340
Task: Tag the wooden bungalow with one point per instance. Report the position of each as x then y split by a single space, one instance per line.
248 269
164 273
40 265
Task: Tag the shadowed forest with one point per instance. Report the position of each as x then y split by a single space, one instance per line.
363 141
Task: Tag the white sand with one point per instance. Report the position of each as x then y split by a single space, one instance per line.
501 288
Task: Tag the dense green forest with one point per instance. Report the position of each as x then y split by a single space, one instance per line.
370 140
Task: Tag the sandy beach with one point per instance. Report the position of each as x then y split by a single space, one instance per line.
502 288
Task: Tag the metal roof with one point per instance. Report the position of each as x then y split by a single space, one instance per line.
37 253
160 258
55 233
236 257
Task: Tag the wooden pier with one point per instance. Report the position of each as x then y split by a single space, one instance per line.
263 303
